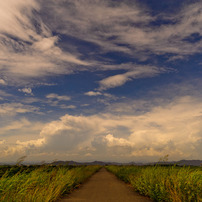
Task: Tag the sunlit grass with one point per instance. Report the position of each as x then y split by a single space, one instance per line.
41 183
163 183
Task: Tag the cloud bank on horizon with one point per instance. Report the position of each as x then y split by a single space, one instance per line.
100 80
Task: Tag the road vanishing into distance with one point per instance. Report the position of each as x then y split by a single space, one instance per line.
104 187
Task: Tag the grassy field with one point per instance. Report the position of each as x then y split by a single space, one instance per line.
163 183
41 183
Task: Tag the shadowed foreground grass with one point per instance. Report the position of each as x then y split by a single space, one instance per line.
41 183
163 183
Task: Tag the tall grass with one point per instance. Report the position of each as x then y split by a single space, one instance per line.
42 184
163 183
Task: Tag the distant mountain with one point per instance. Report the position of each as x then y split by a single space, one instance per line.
190 162
180 163
83 163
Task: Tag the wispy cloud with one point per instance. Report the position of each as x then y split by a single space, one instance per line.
138 72
4 94
98 93
22 42
26 36
56 100
93 93
127 27
11 109
58 97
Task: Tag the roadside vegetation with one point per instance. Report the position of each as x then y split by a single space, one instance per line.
163 183
41 183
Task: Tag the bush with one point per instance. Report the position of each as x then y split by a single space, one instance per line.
163 183
42 183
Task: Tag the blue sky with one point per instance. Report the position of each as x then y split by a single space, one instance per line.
100 80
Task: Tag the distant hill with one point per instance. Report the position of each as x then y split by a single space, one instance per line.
84 163
190 162
180 163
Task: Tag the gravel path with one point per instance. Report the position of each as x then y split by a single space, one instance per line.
104 187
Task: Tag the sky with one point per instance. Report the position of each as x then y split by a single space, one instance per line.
105 80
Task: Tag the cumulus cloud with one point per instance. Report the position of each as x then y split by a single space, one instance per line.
30 143
16 131
114 141
2 82
26 90
164 129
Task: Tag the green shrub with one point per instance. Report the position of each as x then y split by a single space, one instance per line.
44 183
163 183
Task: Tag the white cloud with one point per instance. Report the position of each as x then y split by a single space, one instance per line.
46 44
15 133
126 27
14 19
58 97
114 81
4 94
26 90
164 129
67 106
97 93
98 20
2 82
15 125
93 93
59 101
138 72
27 50
31 143
11 109
113 141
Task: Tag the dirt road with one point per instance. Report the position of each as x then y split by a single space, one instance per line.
104 187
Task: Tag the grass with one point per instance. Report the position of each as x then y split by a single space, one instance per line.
41 183
163 183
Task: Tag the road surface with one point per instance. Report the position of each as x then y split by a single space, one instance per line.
104 187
